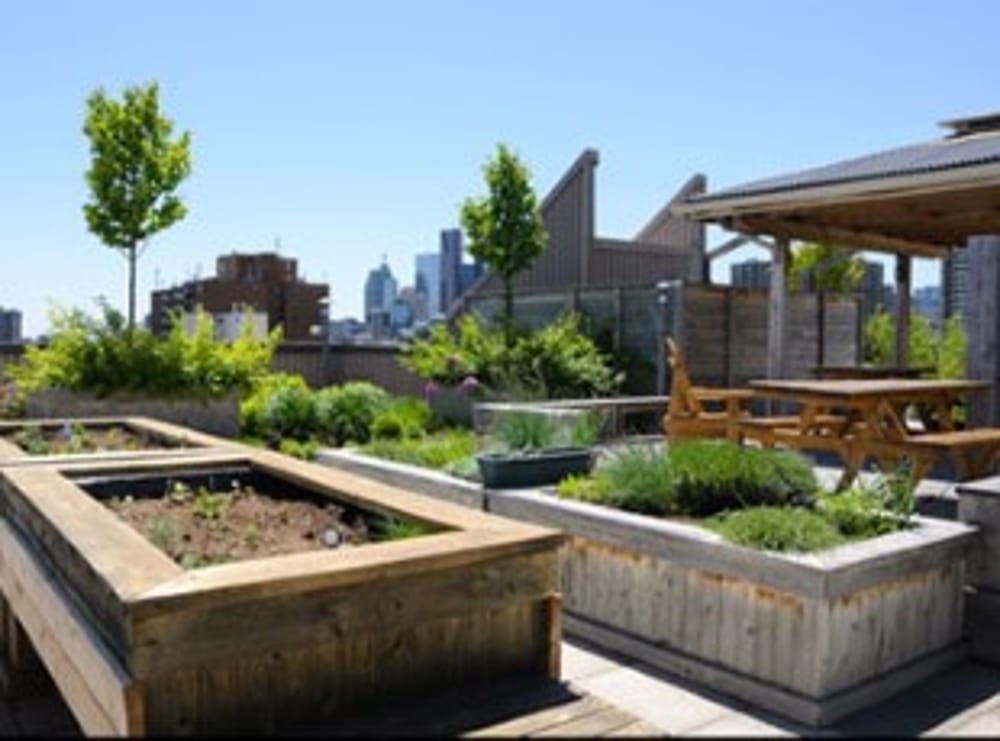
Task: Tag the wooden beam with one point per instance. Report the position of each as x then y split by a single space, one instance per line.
839 236
776 309
903 273
727 247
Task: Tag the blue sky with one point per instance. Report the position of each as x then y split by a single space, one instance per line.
350 130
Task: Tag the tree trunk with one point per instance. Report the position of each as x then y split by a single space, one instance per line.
131 288
508 313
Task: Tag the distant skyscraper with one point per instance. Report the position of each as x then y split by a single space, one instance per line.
380 290
955 282
10 325
874 292
451 267
752 273
428 280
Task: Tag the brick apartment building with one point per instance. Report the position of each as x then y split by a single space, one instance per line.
265 281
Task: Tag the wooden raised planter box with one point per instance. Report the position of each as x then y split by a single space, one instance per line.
168 440
139 645
813 637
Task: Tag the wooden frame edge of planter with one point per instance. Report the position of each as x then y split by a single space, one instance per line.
428 482
201 443
156 598
104 700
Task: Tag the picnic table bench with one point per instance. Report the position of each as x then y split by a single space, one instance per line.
870 423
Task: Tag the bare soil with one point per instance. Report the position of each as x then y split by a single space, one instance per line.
202 527
76 438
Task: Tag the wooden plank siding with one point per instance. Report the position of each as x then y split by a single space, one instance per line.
724 333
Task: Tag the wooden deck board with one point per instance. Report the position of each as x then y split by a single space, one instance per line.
511 708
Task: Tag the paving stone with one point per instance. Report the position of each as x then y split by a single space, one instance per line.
651 698
740 724
984 724
578 661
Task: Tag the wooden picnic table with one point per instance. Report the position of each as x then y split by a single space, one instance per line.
869 371
862 418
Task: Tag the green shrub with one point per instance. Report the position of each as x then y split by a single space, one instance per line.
103 356
776 529
637 479
857 513
710 477
346 412
253 409
391 528
464 468
433 451
304 450
557 361
404 417
290 412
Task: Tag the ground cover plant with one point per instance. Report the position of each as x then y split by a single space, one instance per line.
198 525
74 437
759 498
451 451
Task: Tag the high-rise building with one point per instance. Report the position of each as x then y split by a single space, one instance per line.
10 325
752 273
451 266
428 281
380 290
955 282
265 282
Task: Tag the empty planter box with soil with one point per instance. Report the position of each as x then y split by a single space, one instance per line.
42 441
249 590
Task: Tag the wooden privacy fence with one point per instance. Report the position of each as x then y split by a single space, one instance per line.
723 332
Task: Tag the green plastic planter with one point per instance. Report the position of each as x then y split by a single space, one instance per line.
535 468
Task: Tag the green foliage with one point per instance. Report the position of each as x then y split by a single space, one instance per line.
346 412
165 533
713 476
209 505
637 479
517 429
857 513
944 352
290 412
433 451
448 358
697 478
828 268
464 468
404 417
32 441
253 409
135 169
558 361
103 356
395 529
304 450
776 529
12 400
952 349
505 227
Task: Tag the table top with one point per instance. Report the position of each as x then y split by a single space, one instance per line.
867 371
864 389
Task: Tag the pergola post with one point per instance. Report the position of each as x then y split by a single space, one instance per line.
903 271
776 308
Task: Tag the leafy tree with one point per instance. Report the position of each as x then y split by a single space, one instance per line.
505 227
945 353
832 269
135 168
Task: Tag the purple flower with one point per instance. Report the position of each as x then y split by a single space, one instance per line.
468 385
430 388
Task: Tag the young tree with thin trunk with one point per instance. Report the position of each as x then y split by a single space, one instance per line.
505 227
135 168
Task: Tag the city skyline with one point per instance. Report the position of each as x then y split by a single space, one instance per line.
340 131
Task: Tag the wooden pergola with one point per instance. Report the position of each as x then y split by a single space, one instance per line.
917 201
